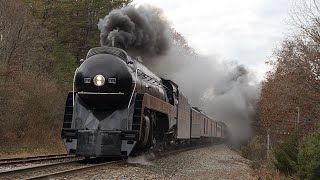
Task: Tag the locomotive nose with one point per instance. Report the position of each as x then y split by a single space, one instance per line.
103 73
102 77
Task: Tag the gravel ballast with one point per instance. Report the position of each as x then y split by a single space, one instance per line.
213 162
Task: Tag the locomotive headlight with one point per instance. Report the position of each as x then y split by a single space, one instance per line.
99 80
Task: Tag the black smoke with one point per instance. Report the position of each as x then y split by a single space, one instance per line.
225 90
140 30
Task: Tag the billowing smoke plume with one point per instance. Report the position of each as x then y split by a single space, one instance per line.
141 30
224 90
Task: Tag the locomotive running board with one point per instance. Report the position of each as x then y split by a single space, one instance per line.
97 93
68 133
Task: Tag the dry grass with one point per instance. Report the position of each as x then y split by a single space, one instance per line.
262 168
266 171
25 148
31 114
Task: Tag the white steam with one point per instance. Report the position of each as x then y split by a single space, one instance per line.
142 160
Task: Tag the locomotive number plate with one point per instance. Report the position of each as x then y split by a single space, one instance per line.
87 80
112 80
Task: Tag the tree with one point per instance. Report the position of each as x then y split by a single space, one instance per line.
36 66
286 156
74 23
295 80
309 157
306 17
19 37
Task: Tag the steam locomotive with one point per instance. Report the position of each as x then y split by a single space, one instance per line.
118 107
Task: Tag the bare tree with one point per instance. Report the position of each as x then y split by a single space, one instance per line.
18 35
1 24
306 17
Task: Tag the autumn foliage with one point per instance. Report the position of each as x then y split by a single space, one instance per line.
290 96
289 108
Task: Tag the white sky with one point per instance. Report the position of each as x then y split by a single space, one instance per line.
243 30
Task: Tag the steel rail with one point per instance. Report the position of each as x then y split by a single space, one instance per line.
170 152
35 160
76 170
90 167
86 167
36 168
31 157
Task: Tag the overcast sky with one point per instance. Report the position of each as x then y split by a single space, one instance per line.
243 30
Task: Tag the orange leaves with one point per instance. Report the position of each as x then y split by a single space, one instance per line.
293 83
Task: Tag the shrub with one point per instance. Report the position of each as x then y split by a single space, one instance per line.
286 156
309 157
255 149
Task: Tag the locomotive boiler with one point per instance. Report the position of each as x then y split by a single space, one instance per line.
118 107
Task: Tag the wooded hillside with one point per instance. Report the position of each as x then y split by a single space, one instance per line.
40 45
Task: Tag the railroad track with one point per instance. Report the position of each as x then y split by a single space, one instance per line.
171 152
54 170
78 170
12 161
61 169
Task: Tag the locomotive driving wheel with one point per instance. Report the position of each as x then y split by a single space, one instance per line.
146 130
152 133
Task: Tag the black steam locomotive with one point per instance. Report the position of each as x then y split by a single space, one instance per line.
119 107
